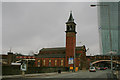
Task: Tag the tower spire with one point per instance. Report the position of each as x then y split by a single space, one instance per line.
71 17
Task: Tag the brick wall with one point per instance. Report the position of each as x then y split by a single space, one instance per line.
70 46
52 62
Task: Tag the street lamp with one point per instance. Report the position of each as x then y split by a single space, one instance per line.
108 11
111 53
98 5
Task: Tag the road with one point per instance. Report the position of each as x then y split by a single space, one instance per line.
80 74
99 74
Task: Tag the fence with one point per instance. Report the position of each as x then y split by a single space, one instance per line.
15 70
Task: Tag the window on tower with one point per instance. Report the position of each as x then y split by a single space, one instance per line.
67 27
70 28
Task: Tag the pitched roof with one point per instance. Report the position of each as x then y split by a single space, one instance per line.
59 55
52 49
60 48
56 55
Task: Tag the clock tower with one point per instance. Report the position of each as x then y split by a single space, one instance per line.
70 41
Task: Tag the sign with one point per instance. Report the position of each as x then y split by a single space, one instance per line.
76 69
71 67
15 63
70 61
23 67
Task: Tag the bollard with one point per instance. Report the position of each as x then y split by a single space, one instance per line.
59 71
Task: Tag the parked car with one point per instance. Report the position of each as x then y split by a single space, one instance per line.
92 69
98 68
103 68
106 67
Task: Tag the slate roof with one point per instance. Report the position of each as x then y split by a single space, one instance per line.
51 55
53 49
60 48
61 51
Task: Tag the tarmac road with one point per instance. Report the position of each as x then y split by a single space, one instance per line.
80 75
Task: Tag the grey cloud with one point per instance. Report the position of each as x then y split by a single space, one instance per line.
32 25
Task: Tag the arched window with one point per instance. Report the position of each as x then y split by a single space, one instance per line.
38 63
62 62
44 62
55 62
70 27
49 62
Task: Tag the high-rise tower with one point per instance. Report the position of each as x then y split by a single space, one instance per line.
109 27
70 40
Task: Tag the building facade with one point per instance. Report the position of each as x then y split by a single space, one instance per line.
66 57
56 57
8 59
109 27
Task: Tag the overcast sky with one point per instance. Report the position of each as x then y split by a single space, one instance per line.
31 26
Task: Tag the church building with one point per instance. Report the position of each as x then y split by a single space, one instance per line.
69 57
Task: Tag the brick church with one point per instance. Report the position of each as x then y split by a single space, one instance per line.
68 57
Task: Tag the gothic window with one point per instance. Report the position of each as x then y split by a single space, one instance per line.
62 62
38 63
55 62
67 27
70 28
44 62
49 62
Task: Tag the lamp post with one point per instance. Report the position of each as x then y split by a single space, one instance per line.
111 53
108 11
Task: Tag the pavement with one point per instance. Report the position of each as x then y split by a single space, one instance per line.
33 75
117 73
79 74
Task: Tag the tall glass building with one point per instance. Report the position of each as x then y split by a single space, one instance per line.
109 27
